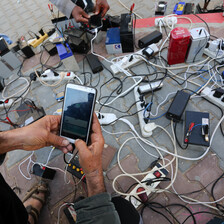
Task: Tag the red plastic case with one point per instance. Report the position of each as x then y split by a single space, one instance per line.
179 41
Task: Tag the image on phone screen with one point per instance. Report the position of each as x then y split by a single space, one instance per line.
77 114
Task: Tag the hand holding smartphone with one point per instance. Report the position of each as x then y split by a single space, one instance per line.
77 112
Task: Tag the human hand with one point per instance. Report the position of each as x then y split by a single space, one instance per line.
80 15
44 133
101 7
90 157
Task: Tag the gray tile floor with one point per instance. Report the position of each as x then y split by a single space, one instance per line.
29 15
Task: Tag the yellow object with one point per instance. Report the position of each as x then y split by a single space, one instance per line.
69 164
73 167
77 169
81 172
37 42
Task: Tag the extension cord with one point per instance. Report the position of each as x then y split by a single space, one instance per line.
150 176
37 42
106 118
7 104
49 75
214 55
166 20
130 60
209 95
146 129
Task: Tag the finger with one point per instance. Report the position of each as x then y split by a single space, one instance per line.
96 125
81 147
97 9
57 140
85 15
105 9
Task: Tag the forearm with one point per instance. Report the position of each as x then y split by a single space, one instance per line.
10 140
65 6
95 183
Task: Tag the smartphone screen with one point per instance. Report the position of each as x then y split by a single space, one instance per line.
78 107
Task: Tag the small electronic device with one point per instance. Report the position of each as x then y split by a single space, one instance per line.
160 8
178 106
77 112
95 21
94 63
43 171
149 39
179 8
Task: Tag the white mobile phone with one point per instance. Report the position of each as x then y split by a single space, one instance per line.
77 112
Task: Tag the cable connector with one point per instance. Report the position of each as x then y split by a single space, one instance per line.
150 127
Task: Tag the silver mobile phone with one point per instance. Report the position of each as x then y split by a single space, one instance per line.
77 112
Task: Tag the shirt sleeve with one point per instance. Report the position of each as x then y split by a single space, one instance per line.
97 209
65 6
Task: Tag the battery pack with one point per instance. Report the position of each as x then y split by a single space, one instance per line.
178 45
151 38
199 40
178 106
94 63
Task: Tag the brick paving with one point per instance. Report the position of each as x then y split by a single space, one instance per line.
29 15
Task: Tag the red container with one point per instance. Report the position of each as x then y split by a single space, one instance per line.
179 41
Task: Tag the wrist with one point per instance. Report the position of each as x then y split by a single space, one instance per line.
95 182
10 140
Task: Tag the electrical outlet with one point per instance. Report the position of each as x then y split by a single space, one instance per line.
150 176
218 54
209 94
49 75
131 60
166 20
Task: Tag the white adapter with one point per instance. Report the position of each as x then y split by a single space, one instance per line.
166 21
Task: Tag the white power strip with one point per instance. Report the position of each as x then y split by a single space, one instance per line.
6 104
209 95
219 55
146 129
130 60
151 176
49 75
171 21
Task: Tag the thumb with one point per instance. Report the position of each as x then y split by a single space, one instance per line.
85 15
97 9
56 140
81 146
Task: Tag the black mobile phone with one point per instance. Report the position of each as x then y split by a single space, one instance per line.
78 108
95 21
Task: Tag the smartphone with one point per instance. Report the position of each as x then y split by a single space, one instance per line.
78 108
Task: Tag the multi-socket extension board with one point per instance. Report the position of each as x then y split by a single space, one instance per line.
49 75
6 103
146 128
208 93
151 176
218 54
171 21
130 60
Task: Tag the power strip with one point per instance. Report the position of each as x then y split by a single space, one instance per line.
209 95
168 20
131 60
146 128
217 54
106 118
6 103
151 176
49 75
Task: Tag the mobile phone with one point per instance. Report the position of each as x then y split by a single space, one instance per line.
78 108
95 21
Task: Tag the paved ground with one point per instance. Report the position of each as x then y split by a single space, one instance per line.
17 20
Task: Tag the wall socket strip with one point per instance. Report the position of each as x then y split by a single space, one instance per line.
131 60
171 20
150 176
215 54
208 92
49 75
6 104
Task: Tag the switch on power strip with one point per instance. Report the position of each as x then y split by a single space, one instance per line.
131 60
216 96
5 103
155 174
